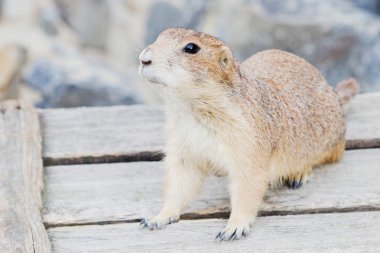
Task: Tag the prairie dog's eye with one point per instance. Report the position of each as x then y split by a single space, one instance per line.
191 48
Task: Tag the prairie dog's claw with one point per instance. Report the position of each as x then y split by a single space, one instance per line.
294 184
150 225
296 181
231 233
155 224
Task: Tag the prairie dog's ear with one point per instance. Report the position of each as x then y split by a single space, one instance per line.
226 60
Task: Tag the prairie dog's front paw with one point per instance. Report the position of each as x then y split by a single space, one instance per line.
233 232
157 223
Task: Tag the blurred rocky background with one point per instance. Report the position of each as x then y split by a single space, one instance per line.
65 53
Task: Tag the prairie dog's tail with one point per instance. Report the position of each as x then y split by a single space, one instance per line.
346 89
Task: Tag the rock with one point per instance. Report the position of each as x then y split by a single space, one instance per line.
341 45
368 5
12 60
341 38
18 10
70 80
88 18
161 16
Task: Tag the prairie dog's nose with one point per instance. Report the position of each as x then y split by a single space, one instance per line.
146 56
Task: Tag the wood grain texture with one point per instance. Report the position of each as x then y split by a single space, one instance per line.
108 134
348 232
363 121
107 193
21 180
133 133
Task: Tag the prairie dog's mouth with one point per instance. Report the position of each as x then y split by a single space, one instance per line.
150 74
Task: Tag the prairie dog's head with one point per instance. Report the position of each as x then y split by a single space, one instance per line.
185 58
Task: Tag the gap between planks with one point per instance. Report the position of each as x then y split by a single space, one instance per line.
136 133
225 215
127 192
144 156
155 156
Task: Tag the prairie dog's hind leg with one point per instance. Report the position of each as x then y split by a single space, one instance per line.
181 185
336 154
298 179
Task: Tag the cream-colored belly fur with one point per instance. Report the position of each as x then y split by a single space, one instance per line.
201 147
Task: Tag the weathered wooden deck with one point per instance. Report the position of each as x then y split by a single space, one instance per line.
102 174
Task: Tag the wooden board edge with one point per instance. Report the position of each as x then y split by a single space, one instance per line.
21 226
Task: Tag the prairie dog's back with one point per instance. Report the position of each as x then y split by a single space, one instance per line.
283 70
300 85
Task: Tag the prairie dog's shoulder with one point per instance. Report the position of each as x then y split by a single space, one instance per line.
281 69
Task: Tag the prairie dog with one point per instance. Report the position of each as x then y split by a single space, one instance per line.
264 121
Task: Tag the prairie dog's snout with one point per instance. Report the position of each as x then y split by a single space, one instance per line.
150 68
146 56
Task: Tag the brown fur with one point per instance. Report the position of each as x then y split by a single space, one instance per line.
264 121
347 89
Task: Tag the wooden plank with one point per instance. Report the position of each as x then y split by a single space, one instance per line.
105 134
132 133
363 121
107 193
21 180
344 232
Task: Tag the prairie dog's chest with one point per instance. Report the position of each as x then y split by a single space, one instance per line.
196 137
199 138
198 142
